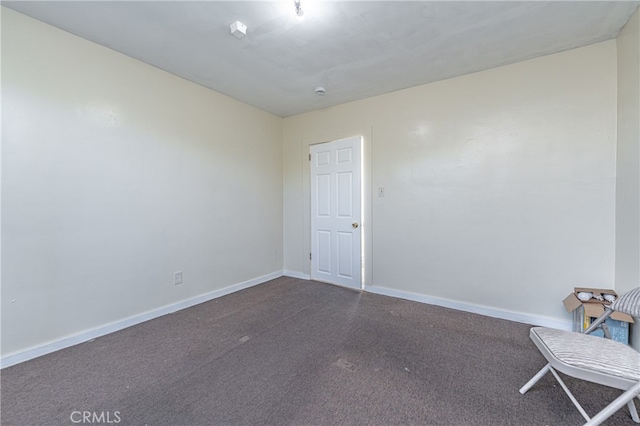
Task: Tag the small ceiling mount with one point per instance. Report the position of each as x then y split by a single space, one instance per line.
320 91
299 11
238 29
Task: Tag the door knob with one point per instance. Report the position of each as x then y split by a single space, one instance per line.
354 224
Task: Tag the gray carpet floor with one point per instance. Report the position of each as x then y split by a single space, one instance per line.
293 352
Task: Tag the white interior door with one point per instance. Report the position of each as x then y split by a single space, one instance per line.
336 248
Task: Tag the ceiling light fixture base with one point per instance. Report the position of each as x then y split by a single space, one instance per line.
299 11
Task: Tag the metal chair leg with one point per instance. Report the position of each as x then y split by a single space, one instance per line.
570 395
535 379
617 403
633 411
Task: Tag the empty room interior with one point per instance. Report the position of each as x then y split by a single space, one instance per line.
310 212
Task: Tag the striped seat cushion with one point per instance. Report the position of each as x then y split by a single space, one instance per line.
629 303
591 352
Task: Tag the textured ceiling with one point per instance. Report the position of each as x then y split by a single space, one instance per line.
355 49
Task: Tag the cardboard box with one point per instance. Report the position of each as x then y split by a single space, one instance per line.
584 312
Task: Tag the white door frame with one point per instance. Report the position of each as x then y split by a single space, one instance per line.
358 261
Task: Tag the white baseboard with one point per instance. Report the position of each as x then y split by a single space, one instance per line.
56 345
34 352
538 320
296 274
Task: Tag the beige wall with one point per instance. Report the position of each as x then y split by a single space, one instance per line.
628 162
116 174
500 185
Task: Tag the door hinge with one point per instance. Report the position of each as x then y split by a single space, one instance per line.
309 157
309 256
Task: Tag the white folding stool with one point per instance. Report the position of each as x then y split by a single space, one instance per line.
593 359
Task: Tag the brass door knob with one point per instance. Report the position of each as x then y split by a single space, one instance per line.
355 224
